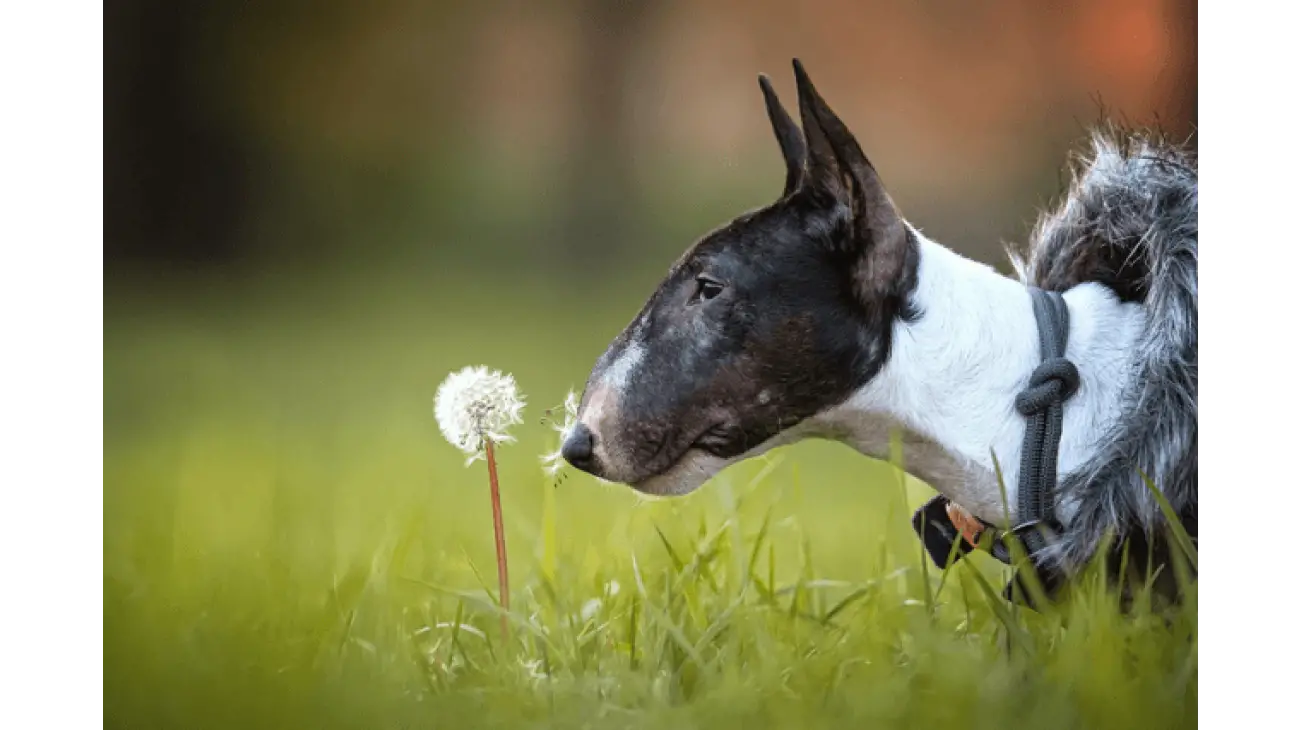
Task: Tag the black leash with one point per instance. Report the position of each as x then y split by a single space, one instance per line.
1043 406
1042 403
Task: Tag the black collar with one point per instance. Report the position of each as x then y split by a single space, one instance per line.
1042 403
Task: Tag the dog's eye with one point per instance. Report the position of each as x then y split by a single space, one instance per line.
706 288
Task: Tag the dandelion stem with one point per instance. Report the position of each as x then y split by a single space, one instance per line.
503 575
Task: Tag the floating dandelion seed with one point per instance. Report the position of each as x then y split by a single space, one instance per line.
590 609
475 408
553 463
475 405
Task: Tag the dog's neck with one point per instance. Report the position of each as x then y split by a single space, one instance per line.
953 374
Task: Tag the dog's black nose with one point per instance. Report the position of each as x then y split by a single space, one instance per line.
578 448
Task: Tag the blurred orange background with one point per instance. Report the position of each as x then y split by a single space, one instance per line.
565 133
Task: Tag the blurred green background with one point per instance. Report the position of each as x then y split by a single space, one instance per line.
315 210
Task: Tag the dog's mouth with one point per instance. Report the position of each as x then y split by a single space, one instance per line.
716 448
707 454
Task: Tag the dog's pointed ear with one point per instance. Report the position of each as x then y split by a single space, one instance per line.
787 135
825 174
837 168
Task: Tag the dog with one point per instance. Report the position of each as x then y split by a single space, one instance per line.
828 315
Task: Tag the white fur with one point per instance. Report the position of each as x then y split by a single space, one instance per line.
953 375
622 369
605 394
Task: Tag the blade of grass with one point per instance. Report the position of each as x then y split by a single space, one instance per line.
1015 632
1025 573
1123 577
550 545
704 555
1002 489
805 585
1006 512
948 566
1175 525
965 599
1178 560
764 590
928 592
771 569
847 601
668 546
716 626
487 605
478 576
758 545
632 630
455 636
797 593
675 633
815 598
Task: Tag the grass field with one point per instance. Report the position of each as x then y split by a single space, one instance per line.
290 544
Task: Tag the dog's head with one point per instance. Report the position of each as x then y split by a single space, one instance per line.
768 321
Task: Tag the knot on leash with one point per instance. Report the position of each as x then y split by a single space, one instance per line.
1053 381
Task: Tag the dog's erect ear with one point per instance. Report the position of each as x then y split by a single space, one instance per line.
787 135
838 168
825 172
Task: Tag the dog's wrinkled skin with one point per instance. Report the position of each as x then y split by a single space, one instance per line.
775 317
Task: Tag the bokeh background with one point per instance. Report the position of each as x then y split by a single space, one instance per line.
316 209
573 134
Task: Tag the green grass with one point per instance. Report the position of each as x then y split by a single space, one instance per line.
289 543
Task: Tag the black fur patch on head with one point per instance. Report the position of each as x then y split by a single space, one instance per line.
773 318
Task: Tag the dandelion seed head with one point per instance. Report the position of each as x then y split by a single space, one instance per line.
475 404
